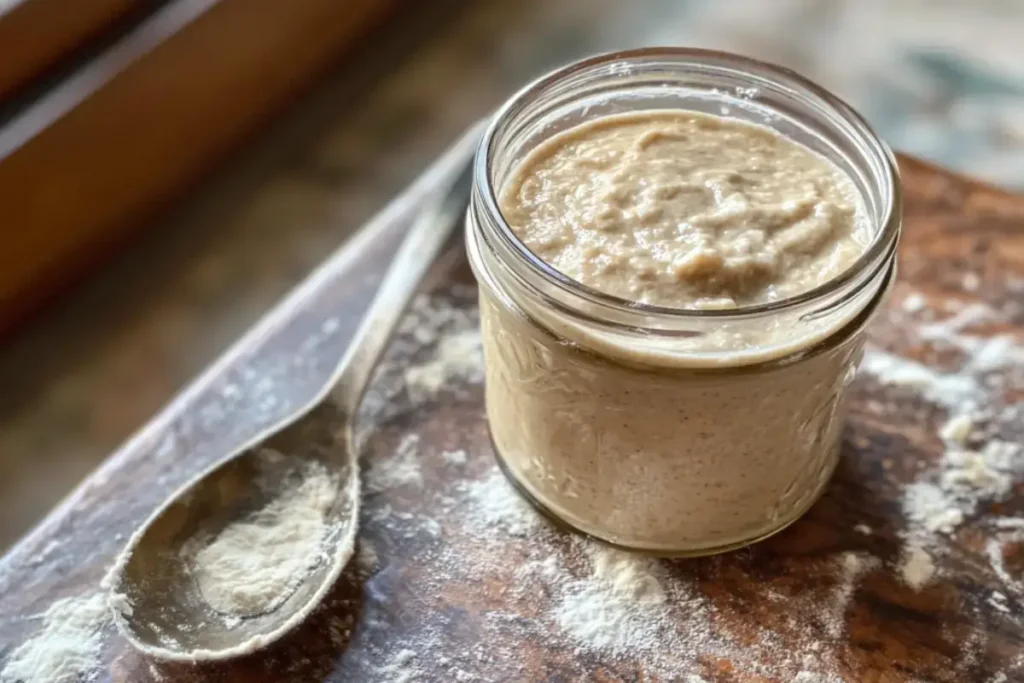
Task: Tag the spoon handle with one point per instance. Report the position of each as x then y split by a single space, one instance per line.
431 229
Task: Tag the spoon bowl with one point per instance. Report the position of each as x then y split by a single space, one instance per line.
172 607
158 603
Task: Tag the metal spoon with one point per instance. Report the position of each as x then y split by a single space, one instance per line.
156 601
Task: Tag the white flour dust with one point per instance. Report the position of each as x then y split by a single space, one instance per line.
1010 523
256 389
457 355
401 668
620 607
494 503
45 553
915 303
437 349
254 565
945 389
999 601
627 605
995 549
400 469
457 457
452 337
366 558
957 429
917 567
851 567
977 467
943 498
66 648
815 677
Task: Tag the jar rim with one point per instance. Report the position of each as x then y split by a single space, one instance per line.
875 257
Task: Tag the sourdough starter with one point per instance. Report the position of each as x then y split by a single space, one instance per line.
688 211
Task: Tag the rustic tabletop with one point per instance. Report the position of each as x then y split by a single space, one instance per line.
909 569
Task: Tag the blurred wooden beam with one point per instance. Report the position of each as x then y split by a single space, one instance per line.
137 125
35 35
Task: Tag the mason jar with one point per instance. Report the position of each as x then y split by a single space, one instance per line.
628 421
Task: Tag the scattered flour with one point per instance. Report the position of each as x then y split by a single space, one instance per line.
851 567
401 668
957 429
457 457
928 509
67 647
437 347
494 503
254 565
939 502
637 607
999 601
976 467
627 574
456 351
366 557
917 567
45 553
601 600
547 568
984 354
457 355
400 469
946 389
620 608
430 317
996 353
815 677
915 303
987 474
994 550
949 330
1009 523
863 529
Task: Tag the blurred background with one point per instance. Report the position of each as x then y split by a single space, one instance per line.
169 170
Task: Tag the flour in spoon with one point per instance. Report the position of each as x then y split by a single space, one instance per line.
254 565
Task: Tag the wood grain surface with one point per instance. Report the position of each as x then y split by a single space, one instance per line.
444 599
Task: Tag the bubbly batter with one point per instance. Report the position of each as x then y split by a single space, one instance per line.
686 210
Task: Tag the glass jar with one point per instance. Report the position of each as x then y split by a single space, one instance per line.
627 421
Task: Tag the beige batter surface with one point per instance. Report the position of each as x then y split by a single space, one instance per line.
690 211
686 210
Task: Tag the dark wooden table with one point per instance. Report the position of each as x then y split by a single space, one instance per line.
440 593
